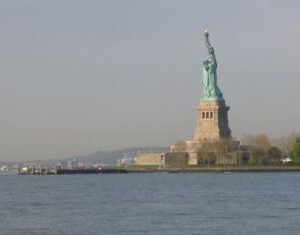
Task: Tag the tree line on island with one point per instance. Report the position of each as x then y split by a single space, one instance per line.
256 149
272 151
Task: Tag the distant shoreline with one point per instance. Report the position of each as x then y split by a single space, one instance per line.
216 170
155 169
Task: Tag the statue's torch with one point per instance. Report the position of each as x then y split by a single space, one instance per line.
206 34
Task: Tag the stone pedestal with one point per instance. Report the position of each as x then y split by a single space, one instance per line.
212 121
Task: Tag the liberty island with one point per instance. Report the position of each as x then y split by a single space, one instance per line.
212 121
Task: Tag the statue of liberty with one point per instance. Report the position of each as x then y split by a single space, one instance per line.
211 90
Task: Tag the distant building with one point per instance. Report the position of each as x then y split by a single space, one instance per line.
126 160
81 164
286 160
71 164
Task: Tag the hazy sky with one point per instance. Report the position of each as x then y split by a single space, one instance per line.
81 76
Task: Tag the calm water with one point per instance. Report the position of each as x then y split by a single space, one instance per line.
212 203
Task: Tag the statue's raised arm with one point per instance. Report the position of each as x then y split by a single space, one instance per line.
207 43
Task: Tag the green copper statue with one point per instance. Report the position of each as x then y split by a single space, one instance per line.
211 90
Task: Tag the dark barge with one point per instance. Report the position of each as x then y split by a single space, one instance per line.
90 171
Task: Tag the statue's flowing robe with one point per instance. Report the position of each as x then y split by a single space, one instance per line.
205 81
209 81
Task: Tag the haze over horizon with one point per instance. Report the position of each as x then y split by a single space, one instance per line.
81 76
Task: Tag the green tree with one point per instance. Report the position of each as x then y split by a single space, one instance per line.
273 155
217 152
206 153
286 143
296 151
257 156
224 149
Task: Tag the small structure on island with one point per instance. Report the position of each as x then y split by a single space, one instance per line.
150 159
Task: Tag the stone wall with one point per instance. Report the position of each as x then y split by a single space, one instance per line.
177 158
150 159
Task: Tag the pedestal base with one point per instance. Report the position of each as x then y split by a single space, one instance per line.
212 122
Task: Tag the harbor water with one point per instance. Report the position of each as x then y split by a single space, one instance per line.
178 203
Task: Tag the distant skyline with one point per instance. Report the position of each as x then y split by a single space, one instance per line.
81 76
